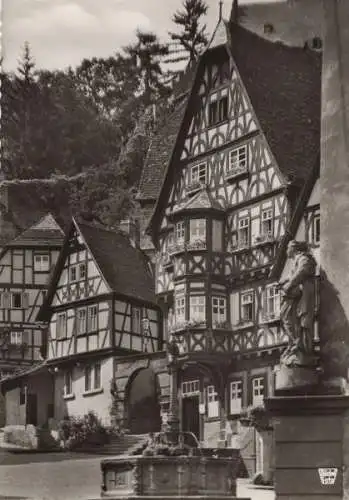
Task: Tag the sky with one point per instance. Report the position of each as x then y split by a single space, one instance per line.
63 32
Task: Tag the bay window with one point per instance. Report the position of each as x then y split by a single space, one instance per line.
180 232
197 308
180 308
246 307
219 310
197 230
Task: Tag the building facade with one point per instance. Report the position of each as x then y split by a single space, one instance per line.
247 141
26 264
100 307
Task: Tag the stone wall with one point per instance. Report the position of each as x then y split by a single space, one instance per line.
125 369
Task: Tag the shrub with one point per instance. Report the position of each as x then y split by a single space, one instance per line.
77 431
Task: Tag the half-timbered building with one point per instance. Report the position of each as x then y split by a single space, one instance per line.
26 264
246 142
100 307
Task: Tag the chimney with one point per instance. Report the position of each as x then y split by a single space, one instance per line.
131 228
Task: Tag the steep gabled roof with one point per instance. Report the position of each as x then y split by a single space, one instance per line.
284 86
164 138
45 233
124 268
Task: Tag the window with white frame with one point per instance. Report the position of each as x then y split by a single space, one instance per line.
92 318
197 229
219 310
272 302
212 402
81 321
218 109
258 390
16 338
61 328
237 159
136 319
68 383
93 377
180 232
41 262
180 308
198 174
267 222
235 397
197 308
244 231
246 306
190 388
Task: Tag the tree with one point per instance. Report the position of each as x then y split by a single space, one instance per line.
147 52
192 37
108 82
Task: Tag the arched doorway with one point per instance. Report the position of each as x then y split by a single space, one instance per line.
142 403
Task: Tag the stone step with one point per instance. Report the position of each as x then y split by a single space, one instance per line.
127 444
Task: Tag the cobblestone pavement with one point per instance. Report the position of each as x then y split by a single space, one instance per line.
59 476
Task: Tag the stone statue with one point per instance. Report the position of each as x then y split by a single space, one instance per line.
297 306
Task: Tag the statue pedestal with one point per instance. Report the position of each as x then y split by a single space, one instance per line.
311 446
297 378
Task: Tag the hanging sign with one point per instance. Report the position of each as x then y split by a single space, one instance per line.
328 475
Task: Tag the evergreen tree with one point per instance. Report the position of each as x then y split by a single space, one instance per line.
147 52
192 37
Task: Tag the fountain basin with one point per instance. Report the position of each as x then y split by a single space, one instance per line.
185 477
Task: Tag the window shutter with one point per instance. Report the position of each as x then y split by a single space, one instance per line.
25 300
6 300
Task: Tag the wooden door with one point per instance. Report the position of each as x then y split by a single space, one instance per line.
190 415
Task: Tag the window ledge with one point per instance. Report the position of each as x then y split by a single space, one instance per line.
92 392
68 397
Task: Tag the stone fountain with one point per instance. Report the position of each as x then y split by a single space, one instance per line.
173 465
